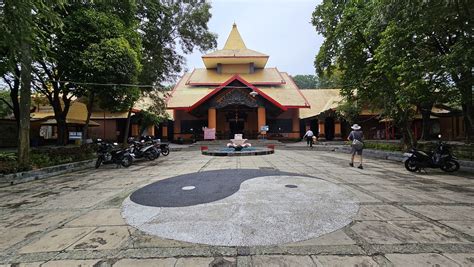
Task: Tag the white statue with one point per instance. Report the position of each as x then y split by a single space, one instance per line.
238 142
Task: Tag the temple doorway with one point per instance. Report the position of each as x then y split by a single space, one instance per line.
236 127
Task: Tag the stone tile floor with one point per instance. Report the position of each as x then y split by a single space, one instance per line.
405 219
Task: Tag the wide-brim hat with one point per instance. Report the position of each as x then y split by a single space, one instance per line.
356 127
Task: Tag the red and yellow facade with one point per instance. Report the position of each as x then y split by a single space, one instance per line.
236 93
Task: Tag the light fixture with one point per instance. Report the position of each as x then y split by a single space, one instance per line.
253 93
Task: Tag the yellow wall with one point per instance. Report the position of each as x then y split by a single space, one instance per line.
236 68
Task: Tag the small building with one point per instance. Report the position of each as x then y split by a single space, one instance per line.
236 93
44 126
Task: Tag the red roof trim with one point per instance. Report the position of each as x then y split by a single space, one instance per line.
255 83
240 79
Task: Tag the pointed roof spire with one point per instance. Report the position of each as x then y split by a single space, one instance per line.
234 41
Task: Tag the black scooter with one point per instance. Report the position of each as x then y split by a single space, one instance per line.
111 153
441 158
143 149
160 146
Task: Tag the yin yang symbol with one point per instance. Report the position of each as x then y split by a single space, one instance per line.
240 207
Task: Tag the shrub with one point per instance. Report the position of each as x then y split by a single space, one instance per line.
383 146
45 157
8 156
60 155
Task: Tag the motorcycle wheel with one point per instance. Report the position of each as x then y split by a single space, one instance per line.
410 165
165 151
450 166
98 162
151 155
127 161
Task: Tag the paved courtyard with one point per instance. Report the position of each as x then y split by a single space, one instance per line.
379 216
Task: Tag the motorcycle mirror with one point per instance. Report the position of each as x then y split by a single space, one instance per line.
439 136
115 144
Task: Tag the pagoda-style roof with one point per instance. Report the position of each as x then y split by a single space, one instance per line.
235 52
272 86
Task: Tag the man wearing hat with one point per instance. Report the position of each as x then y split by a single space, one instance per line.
356 137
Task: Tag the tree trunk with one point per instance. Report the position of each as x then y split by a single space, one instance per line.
127 126
464 84
63 134
426 122
24 107
467 110
405 125
90 104
14 96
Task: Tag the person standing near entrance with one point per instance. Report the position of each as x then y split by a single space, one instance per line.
356 137
309 138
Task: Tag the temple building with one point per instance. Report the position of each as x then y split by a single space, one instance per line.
236 93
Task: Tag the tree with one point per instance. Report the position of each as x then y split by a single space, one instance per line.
352 36
20 29
164 25
306 81
152 29
385 52
317 81
101 46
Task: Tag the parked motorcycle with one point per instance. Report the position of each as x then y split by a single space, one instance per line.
441 158
163 147
111 153
144 149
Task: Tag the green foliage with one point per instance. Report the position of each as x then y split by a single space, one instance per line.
306 81
317 81
7 156
46 157
145 118
165 24
113 60
398 55
383 146
5 104
60 155
349 110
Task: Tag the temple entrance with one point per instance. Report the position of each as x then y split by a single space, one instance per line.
236 127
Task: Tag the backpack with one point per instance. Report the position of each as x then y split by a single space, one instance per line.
357 145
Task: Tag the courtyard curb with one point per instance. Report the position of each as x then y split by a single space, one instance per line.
465 165
43 173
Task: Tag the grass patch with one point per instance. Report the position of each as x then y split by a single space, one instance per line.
383 146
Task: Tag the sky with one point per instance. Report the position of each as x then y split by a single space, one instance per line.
281 29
